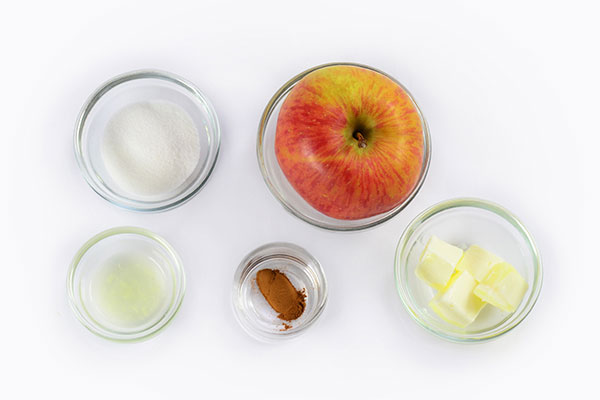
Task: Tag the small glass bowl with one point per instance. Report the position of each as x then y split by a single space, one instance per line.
283 190
463 222
86 268
251 309
134 87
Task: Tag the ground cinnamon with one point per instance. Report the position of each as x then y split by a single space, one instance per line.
281 294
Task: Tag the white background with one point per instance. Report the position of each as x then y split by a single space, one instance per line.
510 93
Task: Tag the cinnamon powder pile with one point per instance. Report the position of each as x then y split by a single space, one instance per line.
281 294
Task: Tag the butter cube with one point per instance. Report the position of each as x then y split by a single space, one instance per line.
447 252
435 271
503 287
478 262
457 304
437 263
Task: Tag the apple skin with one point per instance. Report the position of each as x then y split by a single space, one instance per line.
338 172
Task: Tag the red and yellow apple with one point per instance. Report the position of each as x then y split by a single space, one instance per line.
350 142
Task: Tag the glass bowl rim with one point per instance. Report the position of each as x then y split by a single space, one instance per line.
92 100
264 120
171 312
486 205
268 251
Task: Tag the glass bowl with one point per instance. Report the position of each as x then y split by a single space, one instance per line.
251 309
131 88
463 222
154 284
283 190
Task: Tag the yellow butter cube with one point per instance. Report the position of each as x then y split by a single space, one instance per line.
447 252
478 262
437 262
503 287
457 304
435 271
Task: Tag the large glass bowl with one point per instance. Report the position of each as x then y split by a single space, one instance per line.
463 222
134 87
86 270
283 190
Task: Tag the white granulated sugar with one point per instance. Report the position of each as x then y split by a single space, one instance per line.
150 148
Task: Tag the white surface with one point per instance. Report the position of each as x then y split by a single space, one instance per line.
509 90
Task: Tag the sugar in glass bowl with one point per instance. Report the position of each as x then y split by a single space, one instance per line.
281 188
142 87
251 309
126 284
463 222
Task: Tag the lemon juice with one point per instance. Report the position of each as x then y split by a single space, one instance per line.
129 291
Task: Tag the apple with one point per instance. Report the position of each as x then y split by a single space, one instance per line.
350 142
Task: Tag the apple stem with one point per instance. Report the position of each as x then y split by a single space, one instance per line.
362 141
